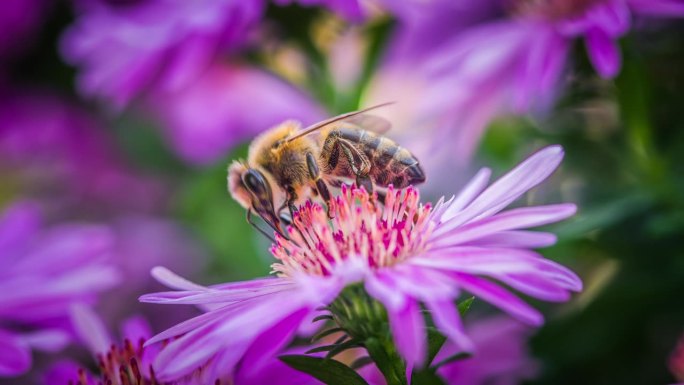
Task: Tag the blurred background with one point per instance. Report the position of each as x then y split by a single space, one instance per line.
125 114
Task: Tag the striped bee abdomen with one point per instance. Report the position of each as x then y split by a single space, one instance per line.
389 162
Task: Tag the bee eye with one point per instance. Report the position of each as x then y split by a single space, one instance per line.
254 182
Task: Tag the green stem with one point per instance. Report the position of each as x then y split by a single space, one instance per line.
388 361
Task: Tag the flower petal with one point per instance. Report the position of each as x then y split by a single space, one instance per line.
447 320
408 330
509 220
510 187
500 298
603 53
90 329
15 356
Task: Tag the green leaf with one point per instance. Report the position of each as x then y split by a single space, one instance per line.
464 306
326 333
330 372
435 342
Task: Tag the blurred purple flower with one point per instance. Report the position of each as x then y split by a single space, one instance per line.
130 354
58 153
428 259
123 50
228 104
20 20
515 63
676 361
45 271
500 356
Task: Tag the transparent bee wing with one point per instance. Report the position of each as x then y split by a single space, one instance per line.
334 120
369 122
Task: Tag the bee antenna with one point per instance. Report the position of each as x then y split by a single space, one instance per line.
335 119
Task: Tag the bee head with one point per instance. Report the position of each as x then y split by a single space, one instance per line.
250 188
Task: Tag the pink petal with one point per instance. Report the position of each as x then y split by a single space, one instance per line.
90 329
603 53
661 8
448 321
47 340
613 17
171 280
408 329
509 220
516 239
510 187
500 298
468 193
15 356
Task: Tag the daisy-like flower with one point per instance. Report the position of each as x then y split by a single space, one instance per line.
44 272
399 255
123 50
516 63
126 361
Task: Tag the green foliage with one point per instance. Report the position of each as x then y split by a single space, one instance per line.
328 371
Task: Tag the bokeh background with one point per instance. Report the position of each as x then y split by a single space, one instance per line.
125 113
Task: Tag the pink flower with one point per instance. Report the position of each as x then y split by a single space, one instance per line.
500 355
57 152
45 271
515 64
404 254
121 51
676 362
225 105
129 357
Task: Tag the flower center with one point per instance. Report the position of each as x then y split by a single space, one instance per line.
361 229
551 9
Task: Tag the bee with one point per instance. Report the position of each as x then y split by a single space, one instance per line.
286 165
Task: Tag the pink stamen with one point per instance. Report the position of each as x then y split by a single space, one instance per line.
361 229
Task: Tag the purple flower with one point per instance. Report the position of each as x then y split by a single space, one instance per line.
121 51
404 254
56 152
227 104
45 271
128 356
515 63
500 356
676 361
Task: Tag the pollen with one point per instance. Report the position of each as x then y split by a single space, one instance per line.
361 229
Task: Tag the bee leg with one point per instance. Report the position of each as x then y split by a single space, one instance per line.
264 233
290 200
365 182
321 187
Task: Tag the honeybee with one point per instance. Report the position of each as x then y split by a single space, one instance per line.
286 165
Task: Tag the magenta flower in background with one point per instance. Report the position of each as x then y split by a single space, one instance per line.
45 271
515 63
129 353
676 361
500 356
227 104
429 259
56 152
164 44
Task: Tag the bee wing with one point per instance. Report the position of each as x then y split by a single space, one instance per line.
336 119
370 122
